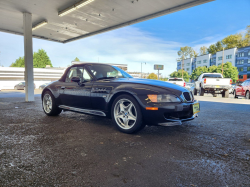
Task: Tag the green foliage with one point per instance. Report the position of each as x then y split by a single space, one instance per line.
203 50
18 63
164 79
186 52
40 60
229 71
234 40
178 74
198 71
212 49
77 59
152 76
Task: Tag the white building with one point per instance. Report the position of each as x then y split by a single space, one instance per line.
10 76
229 56
187 65
203 60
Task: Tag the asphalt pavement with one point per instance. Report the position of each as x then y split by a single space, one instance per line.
81 150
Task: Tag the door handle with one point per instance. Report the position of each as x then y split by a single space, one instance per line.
62 87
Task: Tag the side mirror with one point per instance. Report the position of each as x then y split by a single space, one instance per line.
75 79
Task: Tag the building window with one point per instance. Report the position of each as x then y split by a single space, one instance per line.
240 76
188 64
248 61
187 69
240 54
204 61
240 69
248 76
248 68
219 64
220 58
240 61
248 53
198 62
228 56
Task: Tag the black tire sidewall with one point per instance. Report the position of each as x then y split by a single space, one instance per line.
55 110
139 122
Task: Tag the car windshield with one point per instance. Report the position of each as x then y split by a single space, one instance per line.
175 80
212 76
108 72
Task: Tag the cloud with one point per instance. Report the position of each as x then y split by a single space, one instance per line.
128 45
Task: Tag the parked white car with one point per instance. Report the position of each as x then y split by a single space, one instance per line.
213 83
178 81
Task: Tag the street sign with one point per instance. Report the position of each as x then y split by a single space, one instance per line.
158 67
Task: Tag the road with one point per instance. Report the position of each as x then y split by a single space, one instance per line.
80 150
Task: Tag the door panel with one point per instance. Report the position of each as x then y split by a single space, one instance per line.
76 94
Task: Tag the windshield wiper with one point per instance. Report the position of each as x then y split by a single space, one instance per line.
106 78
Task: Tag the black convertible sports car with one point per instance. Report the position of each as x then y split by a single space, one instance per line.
105 90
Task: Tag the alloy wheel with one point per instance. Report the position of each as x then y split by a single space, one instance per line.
47 103
125 114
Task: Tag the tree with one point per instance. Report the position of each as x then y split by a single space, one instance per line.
203 50
152 76
77 59
185 52
178 74
229 71
214 69
219 46
40 60
212 49
18 63
198 71
164 79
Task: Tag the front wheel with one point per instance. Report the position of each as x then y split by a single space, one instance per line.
195 91
126 114
49 104
225 94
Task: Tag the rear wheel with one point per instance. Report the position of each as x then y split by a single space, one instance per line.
247 95
49 104
235 96
214 95
202 91
126 114
225 94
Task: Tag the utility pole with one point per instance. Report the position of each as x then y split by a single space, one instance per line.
222 60
141 67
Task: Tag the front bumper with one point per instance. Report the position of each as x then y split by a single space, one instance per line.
170 114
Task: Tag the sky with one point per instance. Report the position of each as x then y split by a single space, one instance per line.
155 41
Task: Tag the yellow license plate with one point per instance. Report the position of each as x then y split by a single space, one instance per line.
196 108
217 86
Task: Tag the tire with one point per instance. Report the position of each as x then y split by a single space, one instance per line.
214 95
202 91
49 104
226 94
235 96
195 91
121 111
247 95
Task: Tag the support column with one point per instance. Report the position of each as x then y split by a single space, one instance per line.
28 57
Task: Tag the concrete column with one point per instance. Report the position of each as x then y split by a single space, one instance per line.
28 57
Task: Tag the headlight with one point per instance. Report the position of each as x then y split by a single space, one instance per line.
164 98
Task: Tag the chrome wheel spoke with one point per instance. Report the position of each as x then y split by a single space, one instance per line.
125 114
47 103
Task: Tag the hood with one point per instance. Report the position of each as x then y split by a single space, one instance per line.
151 82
